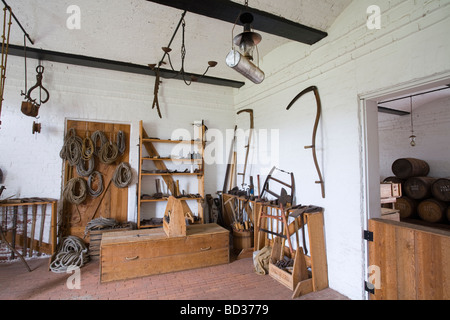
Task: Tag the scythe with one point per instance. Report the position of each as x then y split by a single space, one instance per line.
313 145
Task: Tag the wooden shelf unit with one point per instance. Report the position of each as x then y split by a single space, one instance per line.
148 145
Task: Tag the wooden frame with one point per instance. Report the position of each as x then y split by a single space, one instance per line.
147 144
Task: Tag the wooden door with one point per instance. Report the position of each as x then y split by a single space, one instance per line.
113 201
408 262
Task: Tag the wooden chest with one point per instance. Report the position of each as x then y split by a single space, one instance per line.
137 253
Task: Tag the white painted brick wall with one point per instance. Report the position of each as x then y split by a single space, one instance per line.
431 128
31 164
412 44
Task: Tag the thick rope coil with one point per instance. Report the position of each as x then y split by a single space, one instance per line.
95 193
75 190
73 253
108 153
87 148
71 149
98 135
121 141
122 175
81 167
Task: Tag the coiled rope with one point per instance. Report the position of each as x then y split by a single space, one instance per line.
71 150
95 193
108 153
73 253
75 190
121 141
81 167
122 175
98 135
87 148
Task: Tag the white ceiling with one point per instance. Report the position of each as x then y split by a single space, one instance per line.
135 30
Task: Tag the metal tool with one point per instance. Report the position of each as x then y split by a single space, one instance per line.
271 178
250 111
313 145
30 107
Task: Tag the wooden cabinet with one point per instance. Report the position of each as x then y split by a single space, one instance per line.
137 253
185 167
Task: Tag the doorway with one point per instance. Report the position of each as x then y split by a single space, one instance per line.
373 159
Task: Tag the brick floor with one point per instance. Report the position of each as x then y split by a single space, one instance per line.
234 281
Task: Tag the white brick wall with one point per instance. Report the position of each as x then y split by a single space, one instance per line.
352 60
31 164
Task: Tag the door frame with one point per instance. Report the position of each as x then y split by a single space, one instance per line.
370 170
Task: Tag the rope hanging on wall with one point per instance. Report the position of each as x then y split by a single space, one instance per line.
87 150
92 176
98 135
122 175
81 167
108 153
71 149
75 190
73 253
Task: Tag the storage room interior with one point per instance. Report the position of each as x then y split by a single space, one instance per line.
132 144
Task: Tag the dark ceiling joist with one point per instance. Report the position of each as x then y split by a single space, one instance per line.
392 111
228 11
93 62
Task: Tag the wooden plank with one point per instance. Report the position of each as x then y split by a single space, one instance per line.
229 11
113 203
413 261
319 266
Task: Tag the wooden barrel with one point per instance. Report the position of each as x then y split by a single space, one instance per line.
418 188
405 168
432 210
441 189
407 207
242 239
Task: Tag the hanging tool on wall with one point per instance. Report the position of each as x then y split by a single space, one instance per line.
247 147
30 107
228 173
5 46
313 145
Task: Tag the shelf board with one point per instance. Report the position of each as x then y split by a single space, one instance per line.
173 174
170 159
170 141
165 199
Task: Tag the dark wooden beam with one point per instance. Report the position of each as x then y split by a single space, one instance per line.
392 111
228 11
92 62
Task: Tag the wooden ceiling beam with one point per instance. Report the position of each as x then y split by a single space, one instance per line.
228 11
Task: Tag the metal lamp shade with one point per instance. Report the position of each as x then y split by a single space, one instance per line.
244 66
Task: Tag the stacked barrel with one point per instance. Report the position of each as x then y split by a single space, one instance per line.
423 197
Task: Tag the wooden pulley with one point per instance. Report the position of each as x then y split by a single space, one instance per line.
36 127
30 109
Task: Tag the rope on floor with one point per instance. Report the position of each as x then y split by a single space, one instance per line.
73 253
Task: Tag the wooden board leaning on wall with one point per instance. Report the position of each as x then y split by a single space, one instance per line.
113 202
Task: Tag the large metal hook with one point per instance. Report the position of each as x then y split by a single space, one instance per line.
313 146
40 71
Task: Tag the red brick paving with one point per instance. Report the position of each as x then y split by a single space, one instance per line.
234 281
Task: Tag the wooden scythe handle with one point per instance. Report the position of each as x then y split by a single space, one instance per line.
316 124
